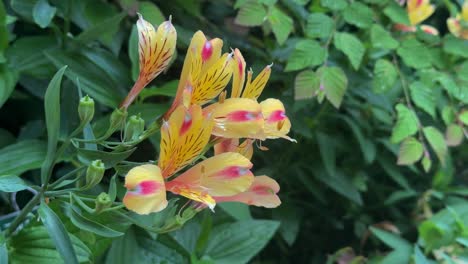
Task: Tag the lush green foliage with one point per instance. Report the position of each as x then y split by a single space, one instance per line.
378 173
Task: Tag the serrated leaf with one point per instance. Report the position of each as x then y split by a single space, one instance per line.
306 85
12 183
334 4
423 96
414 54
43 13
319 25
358 14
437 142
463 116
334 83
406 125
396 13
351 46
381 38
385 76
281 24
252 13
411 151
448 83
454 135
455 46
306 53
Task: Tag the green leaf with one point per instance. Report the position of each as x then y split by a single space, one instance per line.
426 162
43 13
290 219
423 96
385 76
334 4
396 13
437 142
341 184
8 79
3 33
22 156
281 24
238 242
406 125
411 151
12 183
327 152
448 83
414 54
351 46
133 53
382 39
110 159
33 245
3 246
252 13
367 147
319 25
83 223
334 83
306 85
455 46
238 211
58 233
108 26
306 53
151 12
463 116
454 135
358 14
52 116
390 239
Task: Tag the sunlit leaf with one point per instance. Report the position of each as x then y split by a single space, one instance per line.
351 46
252 13
319 25
334 82
406 125
306 53
385 76
423 96
281 24
358 14
411 151
305 85
381 38
437 142
334 4
454 135
414 54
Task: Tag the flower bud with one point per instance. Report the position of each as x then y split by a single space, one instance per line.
102 201
86 109
94 173
135 126
117 119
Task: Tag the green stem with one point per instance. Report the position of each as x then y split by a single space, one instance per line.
24 212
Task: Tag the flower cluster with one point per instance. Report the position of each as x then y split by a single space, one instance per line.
458 25
195 122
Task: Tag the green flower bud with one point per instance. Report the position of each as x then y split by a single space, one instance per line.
94 173
117 119
103 201
134 128
86 109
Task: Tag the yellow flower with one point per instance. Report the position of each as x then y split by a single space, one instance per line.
458 25
419 10
155 49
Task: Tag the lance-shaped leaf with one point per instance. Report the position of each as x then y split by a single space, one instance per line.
406 125
411 151
437 142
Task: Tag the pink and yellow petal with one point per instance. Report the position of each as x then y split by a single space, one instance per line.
420 11
238 74
146 192
277 124
430 30
232 145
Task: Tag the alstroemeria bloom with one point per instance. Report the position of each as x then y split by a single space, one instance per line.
232 145
458 25
262 192
155 49
419 10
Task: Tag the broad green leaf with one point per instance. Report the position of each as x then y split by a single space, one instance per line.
327 152
385 76
426 162
351 46
290 218
151 12
238 211
238 242
12 183
306 53
80 221
110 159
281 24
423 96
8 79
358 14
33 245
334 83
463 116
22 156
454 135
455 46
319 25
108 26
306 85
411 151
437 142
52 116
448 83
334 4
382 39
167 89
434 235
397 13
43 13
406 125
58 233
414 54
252 13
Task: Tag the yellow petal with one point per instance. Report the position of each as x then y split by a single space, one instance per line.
454 26
277 124
238 74
254 89
225 174
262 192
146 192
464 13
198 196
421 12
237 118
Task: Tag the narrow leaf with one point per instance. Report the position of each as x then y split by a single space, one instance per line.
12 183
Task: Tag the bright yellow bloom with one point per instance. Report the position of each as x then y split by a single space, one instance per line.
146 191
155 49
458 25
419 10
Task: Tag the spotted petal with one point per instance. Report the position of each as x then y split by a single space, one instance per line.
254 89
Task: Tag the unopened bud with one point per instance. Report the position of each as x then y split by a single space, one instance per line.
86 109
94 173
135 126
102 201
117 119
